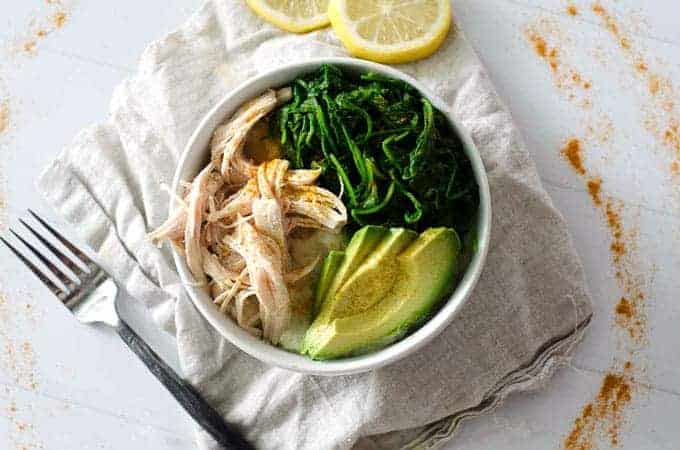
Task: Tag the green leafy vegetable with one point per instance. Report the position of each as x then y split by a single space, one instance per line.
383 144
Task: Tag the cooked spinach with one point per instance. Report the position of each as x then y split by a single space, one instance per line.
394 156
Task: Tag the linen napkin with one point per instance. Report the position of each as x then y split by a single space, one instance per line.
525 316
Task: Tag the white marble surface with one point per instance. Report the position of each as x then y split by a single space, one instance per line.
66 386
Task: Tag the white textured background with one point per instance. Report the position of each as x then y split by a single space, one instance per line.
66 386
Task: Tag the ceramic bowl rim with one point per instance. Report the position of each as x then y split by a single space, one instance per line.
196 152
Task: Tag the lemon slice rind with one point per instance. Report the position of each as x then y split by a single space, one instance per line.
286 22
402 52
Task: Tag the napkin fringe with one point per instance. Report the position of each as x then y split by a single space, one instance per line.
534 376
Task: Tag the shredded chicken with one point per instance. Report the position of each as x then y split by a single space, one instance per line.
198 198
233 222
173 228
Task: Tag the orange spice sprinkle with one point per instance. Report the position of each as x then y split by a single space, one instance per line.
603 417
611 25
4 117
675 168
614 394
552 59
654 85
615 225
59 19
581 435
29 47
572 151
546 40
621 246
578 80
618 248
672 137
624 308
603 414
541 48
628 317
572 10
660 89
54 22
594 189
540 45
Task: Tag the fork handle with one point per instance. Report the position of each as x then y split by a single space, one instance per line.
192 402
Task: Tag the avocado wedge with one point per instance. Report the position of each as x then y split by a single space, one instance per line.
371 281
330 266
423 274
362 244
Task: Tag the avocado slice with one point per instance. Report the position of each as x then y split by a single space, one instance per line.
330 266
360 246
425 273
371 281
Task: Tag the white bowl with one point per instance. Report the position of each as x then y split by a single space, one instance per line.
196 156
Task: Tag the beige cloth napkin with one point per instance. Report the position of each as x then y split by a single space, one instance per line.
525 316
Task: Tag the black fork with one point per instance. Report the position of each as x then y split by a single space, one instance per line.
91 297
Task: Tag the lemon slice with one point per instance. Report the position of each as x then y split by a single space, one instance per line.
296 16
391 31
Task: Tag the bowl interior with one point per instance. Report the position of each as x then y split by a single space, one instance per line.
196 156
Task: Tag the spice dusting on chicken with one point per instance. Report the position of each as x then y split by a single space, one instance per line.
235 221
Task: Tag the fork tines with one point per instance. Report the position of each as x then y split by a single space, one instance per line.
74 263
